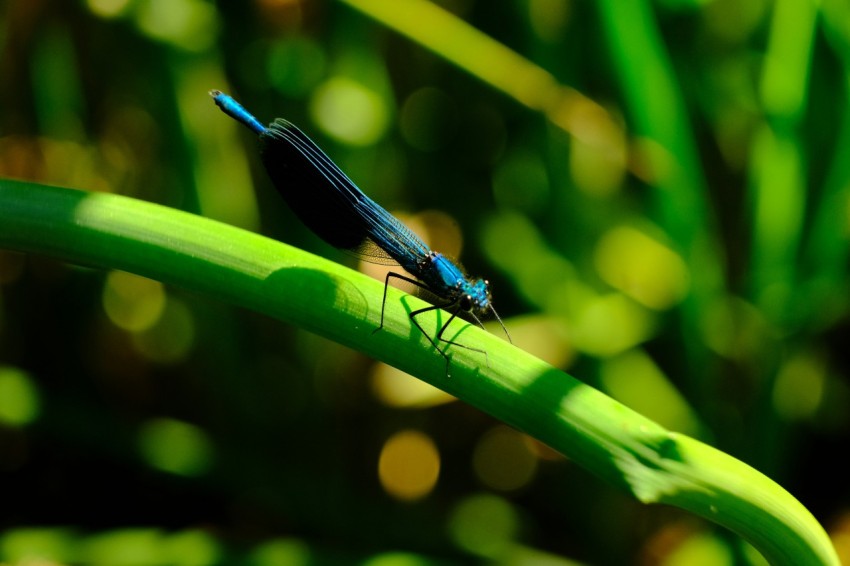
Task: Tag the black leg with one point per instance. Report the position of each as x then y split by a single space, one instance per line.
414 314
458 344
439 336
384 300
412 317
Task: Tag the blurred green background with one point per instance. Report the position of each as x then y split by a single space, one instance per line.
657 191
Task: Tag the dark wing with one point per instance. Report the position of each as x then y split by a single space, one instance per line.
330 204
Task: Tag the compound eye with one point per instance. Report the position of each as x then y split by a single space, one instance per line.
466 302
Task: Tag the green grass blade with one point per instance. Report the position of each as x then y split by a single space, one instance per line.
778 167
659 118
251 271
828 243
459 43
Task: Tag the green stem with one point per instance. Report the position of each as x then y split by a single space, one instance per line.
251 271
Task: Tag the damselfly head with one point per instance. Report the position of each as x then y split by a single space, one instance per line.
477 303
477 296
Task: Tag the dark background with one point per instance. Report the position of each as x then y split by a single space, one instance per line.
665 216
